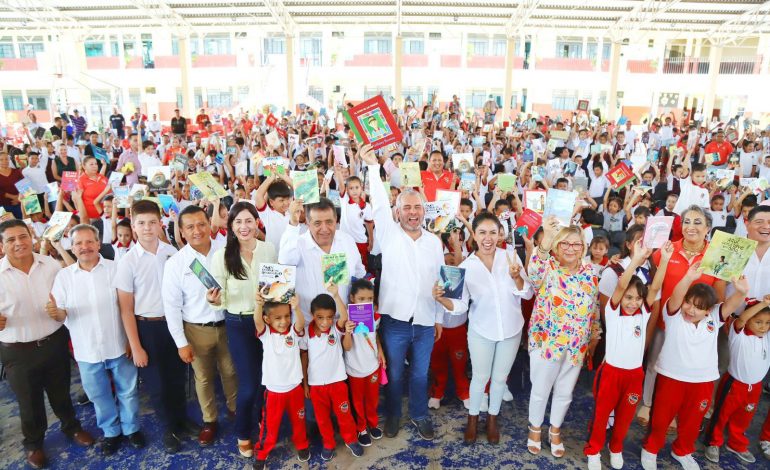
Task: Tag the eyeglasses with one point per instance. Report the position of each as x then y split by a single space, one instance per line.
573 246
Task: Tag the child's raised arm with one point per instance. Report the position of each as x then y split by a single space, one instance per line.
640 255
732 303
299 317
259 322
749 313
342 308
657 283
677 297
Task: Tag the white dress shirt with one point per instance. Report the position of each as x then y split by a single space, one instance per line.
93 317
304 253
141 273
184 295
410 268
495 312
23 297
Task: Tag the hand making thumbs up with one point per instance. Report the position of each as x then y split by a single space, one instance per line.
53 310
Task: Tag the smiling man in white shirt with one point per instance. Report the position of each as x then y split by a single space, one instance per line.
411 318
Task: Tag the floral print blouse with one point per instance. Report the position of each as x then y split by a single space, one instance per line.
565 307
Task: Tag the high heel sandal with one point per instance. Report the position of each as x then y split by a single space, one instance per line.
534 446
557 450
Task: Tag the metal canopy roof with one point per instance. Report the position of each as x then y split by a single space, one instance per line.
716 19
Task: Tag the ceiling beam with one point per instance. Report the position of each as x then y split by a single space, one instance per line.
159 10
42 16
750 22
281 15
520 16
398 17
640 18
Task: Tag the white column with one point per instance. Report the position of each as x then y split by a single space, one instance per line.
16 49
290 72
397 59
715 57
599 53
510 50
584 51
612 98
185 67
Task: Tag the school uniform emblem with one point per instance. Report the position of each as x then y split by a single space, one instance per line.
374 378
703 405
459 354
344 407
633 398
637 331
750 407
301 413
710 326
332 340
289 340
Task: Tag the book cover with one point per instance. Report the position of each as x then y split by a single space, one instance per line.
334 197
478 141
306 186
724 178
335 268
159 177
271 120
620 175
69 181
363 316
5 215
277 164
506 182
759 186
273 139
582 105
24 186
657 231
653 156
528 222
56 225
570 168
528 155
468 181
168 204
208 186
538 173
560 135
31 204
560 204
100 153
552 144
204 275
713 157
410 174
121 197
580 183
534 199
276 282
727 256
180 163
372 123
339 156
138 192
462 162
452 279
438 135
53 191
440 214
115 179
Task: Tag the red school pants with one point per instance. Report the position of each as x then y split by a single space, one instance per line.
334 397
686 401
276 403
363 250
365 394
735 407
618 390
450 350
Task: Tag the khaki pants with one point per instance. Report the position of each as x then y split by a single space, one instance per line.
211 354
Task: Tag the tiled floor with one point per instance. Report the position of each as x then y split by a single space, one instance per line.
404 452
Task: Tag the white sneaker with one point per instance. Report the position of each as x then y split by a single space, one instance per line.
484 407
649 460
616 460
595 462
434 403
467 403
507 395
687 461
709 413
764 446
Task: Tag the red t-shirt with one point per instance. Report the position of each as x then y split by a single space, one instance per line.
8 185
431 183
91 189
724 150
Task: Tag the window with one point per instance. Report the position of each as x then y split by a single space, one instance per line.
179 99
134 98
377 43
129 46
413 44
602 102
592 47
432 90
100 107
94 49
216 44
371 92
114 46
415 93
38 99
478 45
475 99
194 45
12 101
147 58
174 45
564 100
316 93
310 49
499 45
569 49
29 50
198 96
6 51
219 98
274 45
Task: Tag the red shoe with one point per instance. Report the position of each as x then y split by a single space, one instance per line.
208 434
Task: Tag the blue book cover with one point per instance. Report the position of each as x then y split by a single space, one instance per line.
560 204
452 279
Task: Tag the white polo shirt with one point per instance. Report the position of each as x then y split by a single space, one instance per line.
352 218
689 352
281 364
362 360
93 317
749 356
324 349
275 224
689 195
625 335
141 273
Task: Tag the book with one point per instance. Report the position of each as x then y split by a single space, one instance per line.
53 191
306 186
582 105
552 144
31 204
580 183
273 139
24 186
168 204
138 192
528 222
410 174
468 181
277 163
57 225
363 316
100 153
452 279
727 256
534 199
657 231
271 120
620 175
570 168
462 162
746 182
121 197
115 179
560 135
159 177
335 268
180 163
69 181
506 182
438 135
528 155
208 186
538 173
724 178
204 275
276 282
5 215
653 156
713 157
334 197
478 141
440 214
560 204
759 186
372 123
339 155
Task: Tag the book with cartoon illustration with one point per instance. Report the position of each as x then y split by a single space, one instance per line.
620 175
657 231
306 186
56 225
462 162
440 214
168 204
452 280
727 256
410 175
277 282
363 316
373 123
138 192
335 268
208 186
204 275
31 204
506 182
534 199
121 197
468 181
528 223
69 181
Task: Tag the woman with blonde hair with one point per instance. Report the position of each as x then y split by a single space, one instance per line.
563 328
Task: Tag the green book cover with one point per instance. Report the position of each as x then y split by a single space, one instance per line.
31 204
506 182
353 127
727 256
335 268
306 186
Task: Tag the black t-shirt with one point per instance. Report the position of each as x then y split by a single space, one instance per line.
178 125
117 121
56 131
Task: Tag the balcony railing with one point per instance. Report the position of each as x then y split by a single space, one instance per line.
688 65
740 65
564 63
642 66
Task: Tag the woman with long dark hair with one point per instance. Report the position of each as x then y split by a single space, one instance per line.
236 269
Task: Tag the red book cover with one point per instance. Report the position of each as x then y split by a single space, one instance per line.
271 120
69 181
373 123
620 176
529 222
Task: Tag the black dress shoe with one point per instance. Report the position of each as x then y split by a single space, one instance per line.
189 428
110 445
392 425
137 440
171 443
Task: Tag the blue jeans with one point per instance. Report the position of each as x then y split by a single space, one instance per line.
246 351
400 340
113 419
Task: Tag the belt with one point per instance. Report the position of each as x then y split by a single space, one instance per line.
140 318
211 323
29 344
